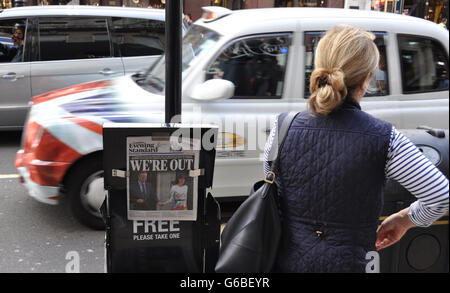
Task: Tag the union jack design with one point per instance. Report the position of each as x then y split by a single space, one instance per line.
49 148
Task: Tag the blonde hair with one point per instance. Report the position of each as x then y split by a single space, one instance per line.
345 56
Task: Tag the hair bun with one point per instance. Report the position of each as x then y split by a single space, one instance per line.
337 77
322 81
328 90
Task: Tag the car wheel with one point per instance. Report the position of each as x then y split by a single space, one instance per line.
86 192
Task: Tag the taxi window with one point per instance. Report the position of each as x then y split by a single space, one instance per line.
256 65
378 85
424 64
73 38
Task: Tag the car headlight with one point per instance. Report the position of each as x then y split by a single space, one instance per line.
32 136
37 138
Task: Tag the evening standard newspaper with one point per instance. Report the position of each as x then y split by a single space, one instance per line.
160 181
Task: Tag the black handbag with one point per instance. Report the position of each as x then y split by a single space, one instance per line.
250 240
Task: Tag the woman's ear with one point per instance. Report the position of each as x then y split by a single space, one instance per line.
361 90
366 82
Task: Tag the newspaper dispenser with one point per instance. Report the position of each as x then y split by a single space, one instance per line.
158 245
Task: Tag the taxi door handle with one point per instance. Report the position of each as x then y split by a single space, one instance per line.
12 76
106 71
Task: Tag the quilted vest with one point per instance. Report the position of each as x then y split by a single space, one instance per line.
330 183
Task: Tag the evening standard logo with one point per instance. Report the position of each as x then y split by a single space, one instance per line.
143 147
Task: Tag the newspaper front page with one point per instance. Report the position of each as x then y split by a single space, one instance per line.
159 182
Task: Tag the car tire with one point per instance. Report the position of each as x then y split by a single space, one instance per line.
86 192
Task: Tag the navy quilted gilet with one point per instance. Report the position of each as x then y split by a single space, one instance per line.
330 181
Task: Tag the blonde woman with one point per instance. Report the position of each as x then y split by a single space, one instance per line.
334 164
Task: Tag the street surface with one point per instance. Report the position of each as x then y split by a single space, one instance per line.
36 237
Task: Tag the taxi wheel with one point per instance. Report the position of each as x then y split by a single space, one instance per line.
86 192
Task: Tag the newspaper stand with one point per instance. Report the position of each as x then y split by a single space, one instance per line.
196 245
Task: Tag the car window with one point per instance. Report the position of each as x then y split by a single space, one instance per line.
256 65
196 42
378 85
73 38
12 39
424 64
139 37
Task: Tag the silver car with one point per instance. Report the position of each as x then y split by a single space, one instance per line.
68 45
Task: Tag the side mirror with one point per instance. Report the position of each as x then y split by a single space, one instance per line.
213 89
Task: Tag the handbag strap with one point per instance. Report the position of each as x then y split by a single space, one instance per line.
282 134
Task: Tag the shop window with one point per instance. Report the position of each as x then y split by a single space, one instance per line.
255 65
300 3
424 64
139 37
379 83
6 4
145 3
73 38
93 2
230 4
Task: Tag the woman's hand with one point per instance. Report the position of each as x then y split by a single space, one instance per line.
393 228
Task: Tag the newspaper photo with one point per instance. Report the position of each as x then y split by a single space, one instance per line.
160 184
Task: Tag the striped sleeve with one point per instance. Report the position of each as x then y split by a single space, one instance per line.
268 145
408 166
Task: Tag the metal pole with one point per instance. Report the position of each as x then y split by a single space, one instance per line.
173 60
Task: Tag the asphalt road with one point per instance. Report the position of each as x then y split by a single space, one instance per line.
40 238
